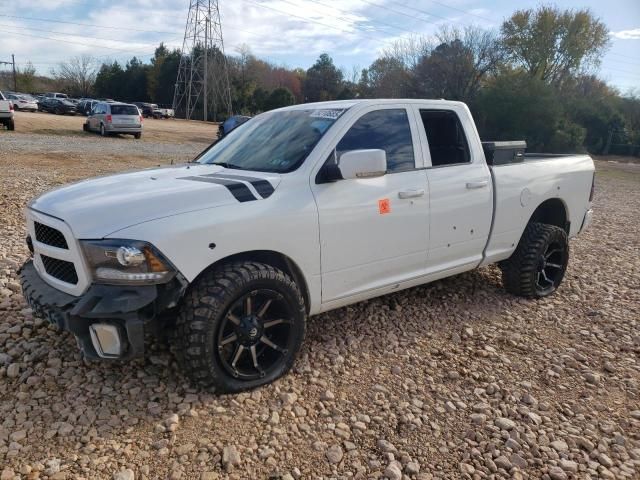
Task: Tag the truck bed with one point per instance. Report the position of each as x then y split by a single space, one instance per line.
520 187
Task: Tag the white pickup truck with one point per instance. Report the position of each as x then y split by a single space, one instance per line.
6 113
298 211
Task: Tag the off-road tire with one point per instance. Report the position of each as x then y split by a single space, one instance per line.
11 125
204 308
520 271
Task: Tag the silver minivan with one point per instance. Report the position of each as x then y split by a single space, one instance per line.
116 117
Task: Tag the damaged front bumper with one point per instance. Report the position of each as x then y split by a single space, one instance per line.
108 321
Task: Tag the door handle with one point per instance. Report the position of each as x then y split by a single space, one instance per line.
474 185
411 193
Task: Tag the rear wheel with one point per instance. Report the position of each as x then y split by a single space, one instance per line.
11 125
240 327
538 265
85 127
103 132
137 136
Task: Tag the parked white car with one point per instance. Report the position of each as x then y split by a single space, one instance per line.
299 211
6 113
22 102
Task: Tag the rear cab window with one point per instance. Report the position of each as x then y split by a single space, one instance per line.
447 141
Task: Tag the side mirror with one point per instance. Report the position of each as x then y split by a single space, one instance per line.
363 164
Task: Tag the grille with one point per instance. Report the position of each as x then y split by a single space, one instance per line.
60 269
50 236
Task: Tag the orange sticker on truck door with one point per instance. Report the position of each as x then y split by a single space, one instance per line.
384 206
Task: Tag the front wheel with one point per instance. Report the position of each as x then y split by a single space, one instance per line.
241 326
538 264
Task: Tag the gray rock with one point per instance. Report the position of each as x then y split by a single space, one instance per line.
556 473
559 446
334 454
124 475
393 471
230 456
604 460
13 370
505 423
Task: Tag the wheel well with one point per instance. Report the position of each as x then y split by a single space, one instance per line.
552 212
275 259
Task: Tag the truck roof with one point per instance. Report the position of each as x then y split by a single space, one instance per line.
345 104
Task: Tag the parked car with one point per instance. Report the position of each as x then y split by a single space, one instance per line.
163 111
231 123
55 95
86 105
108 118
22 102
59 106
146 109
305 209
6 113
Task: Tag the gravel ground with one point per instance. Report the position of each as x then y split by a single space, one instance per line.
456 379
89 144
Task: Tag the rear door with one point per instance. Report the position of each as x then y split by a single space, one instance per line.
125 115
374 231
460 190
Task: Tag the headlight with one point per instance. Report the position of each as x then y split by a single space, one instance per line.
126 261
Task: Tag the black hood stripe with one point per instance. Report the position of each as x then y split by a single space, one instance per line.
239 190
262 186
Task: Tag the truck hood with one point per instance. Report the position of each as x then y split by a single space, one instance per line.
96 207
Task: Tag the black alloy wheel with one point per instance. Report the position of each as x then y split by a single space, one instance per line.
537 267
240 326
551 266
254 335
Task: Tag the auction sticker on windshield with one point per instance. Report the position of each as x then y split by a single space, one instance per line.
331 114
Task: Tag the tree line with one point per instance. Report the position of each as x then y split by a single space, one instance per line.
534 78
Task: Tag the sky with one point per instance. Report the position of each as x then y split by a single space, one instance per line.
286 32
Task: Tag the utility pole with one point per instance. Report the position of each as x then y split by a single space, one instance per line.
203 77
15 81
206 66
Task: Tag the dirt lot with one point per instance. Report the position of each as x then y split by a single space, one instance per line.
456 379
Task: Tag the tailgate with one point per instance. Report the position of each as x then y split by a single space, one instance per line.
5 106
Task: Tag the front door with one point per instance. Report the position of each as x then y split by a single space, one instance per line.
374 232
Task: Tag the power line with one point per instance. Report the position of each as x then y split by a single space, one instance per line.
74 34
68 41
454 8
84 24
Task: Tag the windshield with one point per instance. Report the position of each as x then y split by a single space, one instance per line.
272 142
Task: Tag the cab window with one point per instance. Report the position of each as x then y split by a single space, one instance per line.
445 135
386 130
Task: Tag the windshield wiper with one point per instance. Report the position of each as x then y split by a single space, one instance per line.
229 165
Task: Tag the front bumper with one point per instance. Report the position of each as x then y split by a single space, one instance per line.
127 310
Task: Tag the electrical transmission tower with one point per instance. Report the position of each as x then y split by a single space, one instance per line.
202 85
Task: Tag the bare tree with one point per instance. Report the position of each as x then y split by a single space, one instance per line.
456 67
78 74
409 51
